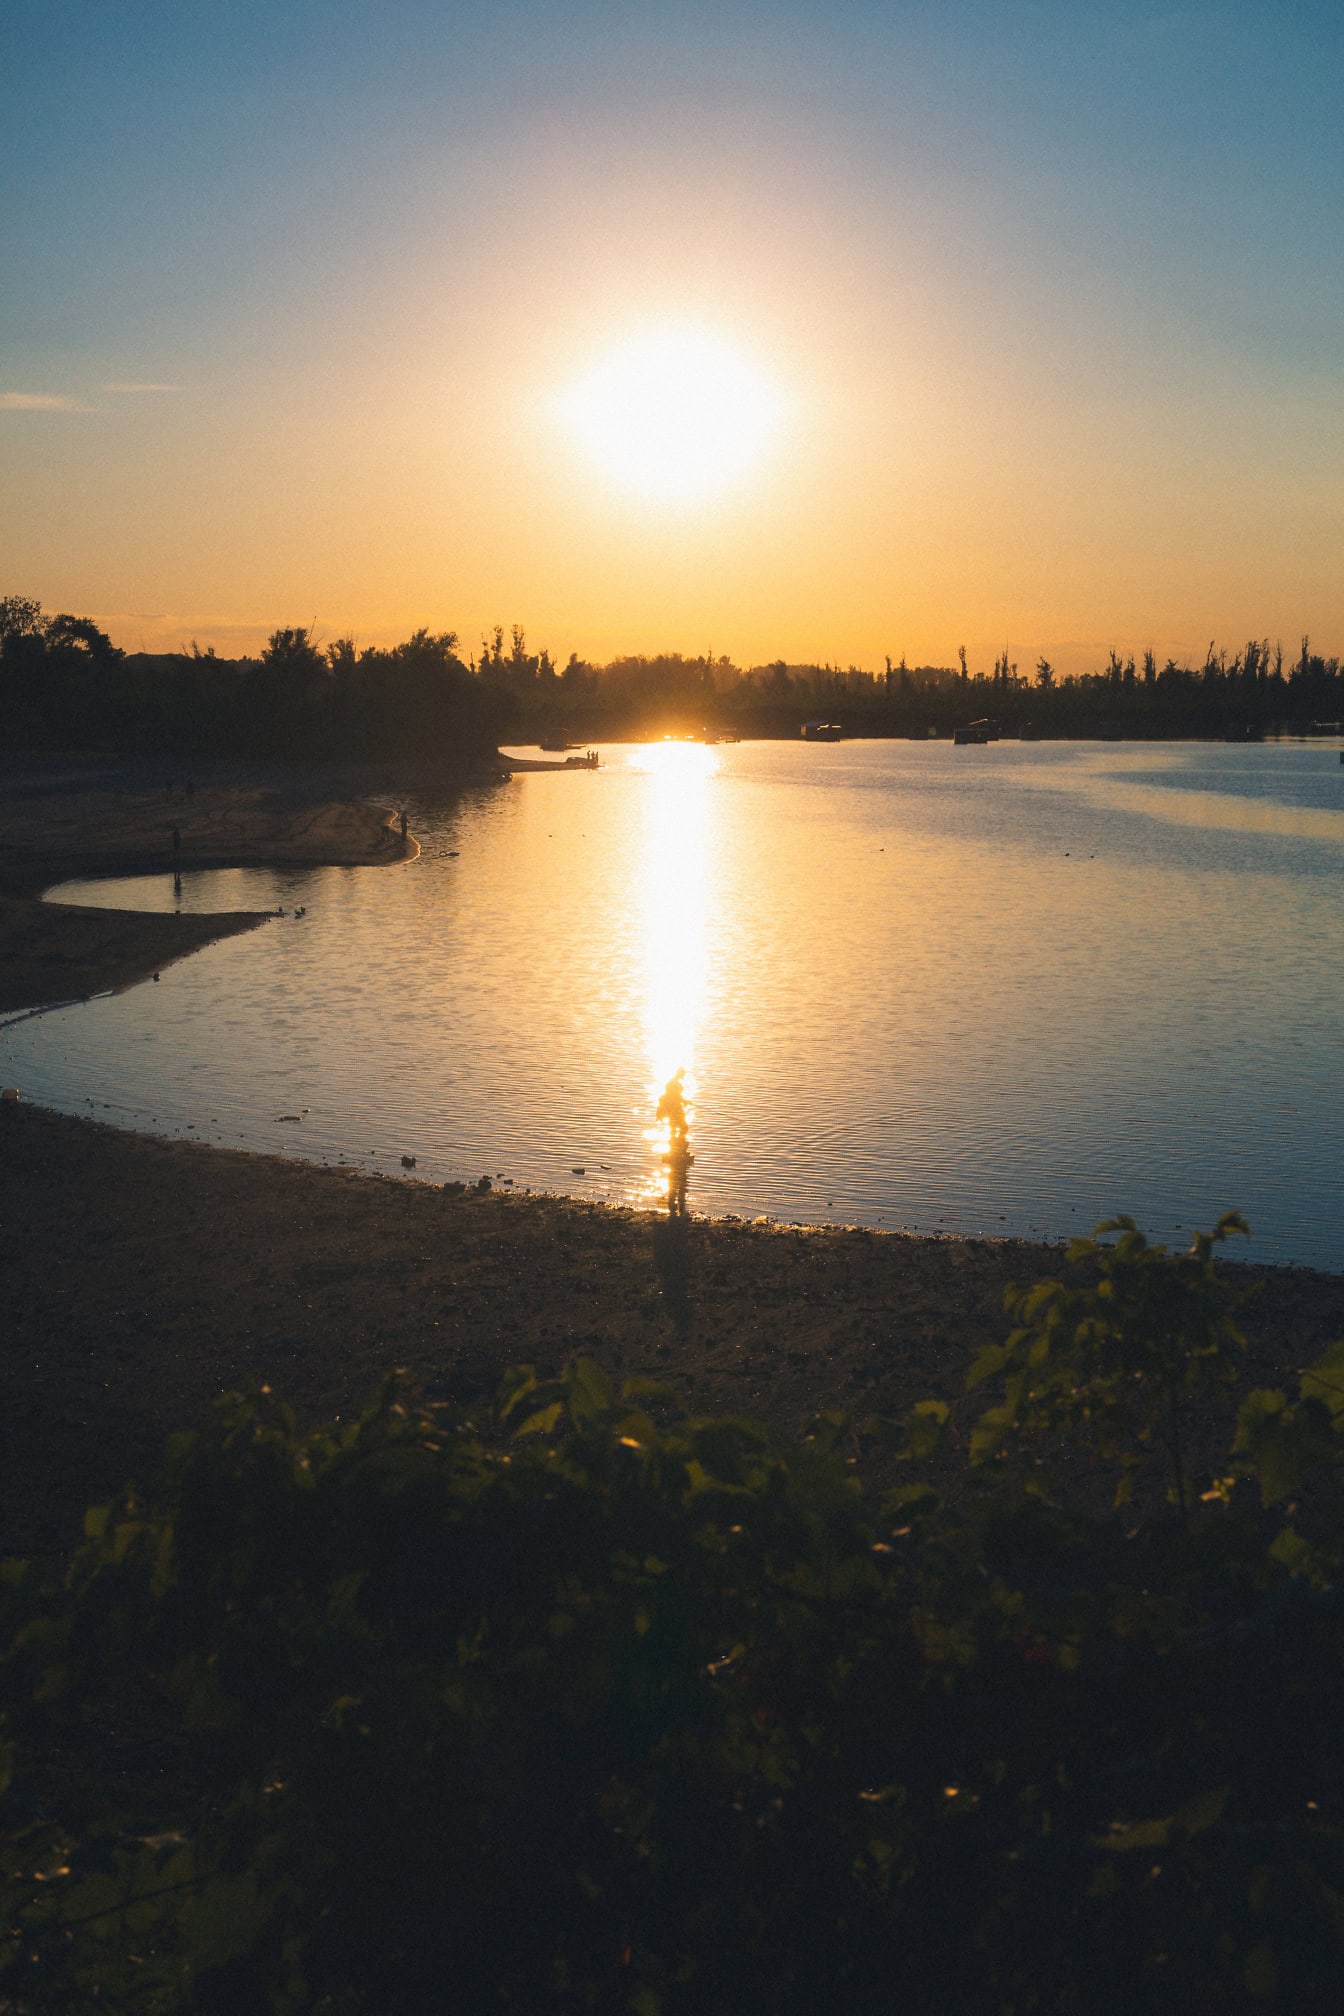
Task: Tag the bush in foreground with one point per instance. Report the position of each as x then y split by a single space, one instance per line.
591 1706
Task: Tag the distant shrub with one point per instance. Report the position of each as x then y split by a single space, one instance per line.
590 1706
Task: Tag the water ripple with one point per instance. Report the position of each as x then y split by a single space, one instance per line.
1005 995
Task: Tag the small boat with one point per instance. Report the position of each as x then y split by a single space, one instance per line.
977 732
822 731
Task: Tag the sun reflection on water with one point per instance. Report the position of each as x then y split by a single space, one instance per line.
674 881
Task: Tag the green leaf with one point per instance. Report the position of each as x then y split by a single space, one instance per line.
1256 1409
985 1364
540 1421
1283 1444
514 1387
590 1393
1303 1561
924 1426
1324 1381
95 1897
1202 1811
124 1537
988 1434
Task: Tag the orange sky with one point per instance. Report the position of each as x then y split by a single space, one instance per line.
308 372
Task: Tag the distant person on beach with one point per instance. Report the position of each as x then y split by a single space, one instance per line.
403 829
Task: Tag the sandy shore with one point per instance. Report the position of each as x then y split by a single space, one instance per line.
61 820
142 1278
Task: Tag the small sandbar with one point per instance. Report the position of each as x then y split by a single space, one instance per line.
68 819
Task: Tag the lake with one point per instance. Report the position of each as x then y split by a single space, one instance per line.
1009 989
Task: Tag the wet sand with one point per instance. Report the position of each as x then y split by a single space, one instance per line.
82 817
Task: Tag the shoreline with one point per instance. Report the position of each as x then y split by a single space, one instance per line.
143 1278
81 817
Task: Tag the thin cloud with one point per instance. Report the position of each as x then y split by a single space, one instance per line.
119 386
41 402
169 630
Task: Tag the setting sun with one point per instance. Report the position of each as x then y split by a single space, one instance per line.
673 415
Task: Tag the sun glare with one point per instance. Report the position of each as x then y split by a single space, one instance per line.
678 850
673 415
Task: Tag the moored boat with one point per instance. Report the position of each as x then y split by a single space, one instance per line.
976 732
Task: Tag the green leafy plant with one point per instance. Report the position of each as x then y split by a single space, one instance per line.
1112 1365
586 1704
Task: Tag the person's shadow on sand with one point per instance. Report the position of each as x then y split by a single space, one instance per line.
672 1259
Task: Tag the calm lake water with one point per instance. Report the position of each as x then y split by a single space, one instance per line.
1002 990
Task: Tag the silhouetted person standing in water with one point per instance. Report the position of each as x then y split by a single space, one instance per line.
403 828
672 1108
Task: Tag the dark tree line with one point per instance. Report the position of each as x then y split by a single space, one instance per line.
1254 691
63 681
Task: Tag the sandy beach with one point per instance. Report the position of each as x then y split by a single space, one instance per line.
140 1279
67 818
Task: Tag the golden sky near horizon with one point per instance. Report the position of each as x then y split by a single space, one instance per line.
974 388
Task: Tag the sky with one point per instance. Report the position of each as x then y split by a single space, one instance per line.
1045 303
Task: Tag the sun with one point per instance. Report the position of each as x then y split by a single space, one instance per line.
673 415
